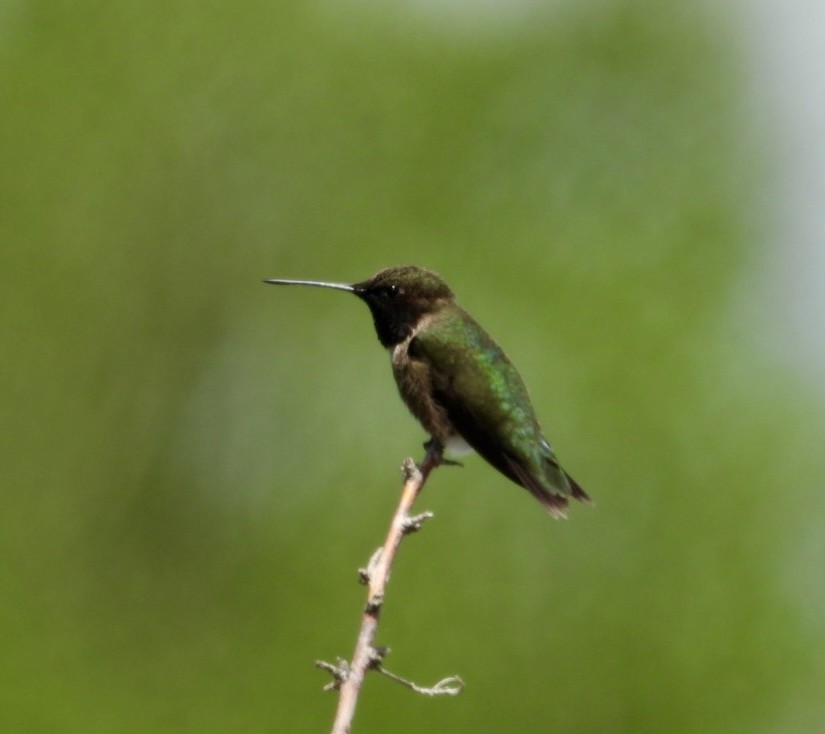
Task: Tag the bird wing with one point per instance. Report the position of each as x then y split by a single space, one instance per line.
487 402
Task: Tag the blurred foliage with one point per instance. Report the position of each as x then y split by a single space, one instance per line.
194 465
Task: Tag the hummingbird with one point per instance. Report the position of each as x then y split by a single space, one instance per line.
457 381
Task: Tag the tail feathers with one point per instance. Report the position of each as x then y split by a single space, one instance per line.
555 500
555 504
577 492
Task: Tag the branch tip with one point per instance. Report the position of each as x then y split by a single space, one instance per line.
410 470
451 686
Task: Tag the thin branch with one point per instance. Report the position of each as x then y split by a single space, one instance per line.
348 677
451 686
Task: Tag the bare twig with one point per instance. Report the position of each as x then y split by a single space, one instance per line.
348 677
451 686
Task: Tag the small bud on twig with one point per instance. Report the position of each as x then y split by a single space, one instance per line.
339 672
365 574
414 523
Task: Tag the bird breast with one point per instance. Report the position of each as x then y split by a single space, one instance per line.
414 380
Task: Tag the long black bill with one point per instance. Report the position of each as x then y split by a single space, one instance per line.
316 283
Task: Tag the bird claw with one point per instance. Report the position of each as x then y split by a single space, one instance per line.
435 448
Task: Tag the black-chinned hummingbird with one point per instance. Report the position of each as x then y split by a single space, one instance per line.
457 381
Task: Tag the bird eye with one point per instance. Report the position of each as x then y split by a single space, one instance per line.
392 291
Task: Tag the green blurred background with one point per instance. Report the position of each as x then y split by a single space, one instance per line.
193 465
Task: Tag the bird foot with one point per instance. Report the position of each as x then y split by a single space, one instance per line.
435 448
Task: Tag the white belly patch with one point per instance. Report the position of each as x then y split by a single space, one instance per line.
457 446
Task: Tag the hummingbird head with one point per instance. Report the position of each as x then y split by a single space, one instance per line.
399 297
